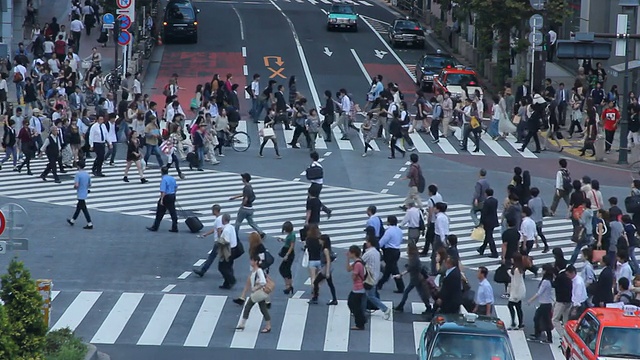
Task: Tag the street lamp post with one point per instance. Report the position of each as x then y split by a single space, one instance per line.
624 123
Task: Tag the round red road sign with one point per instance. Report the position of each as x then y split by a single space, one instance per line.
3 222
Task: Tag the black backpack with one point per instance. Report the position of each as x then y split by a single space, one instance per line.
631 300
567 185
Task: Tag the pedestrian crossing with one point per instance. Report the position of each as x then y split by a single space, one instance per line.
150 319
369 3
277 201
422 141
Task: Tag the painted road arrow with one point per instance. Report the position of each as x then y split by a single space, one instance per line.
380 54
327 51
278 60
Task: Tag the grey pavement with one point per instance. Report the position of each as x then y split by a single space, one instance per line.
120 286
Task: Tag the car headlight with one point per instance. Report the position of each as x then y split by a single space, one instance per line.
333 20
352 21
428 77
397 36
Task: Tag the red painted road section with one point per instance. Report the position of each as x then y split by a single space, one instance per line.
397 74
195 68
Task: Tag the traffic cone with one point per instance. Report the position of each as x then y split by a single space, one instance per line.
159 41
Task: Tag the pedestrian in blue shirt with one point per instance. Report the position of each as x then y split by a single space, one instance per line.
167 201
82 183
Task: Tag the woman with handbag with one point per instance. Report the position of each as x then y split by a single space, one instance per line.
517 292
256 249
325 272
591 132
576 111
261 286
267 133
133 157
543 315
288 254
368 132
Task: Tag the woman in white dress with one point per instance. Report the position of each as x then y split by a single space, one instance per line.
505 126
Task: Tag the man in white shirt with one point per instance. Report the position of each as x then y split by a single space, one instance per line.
441 229
137 85
20 69
108 104
412 221
371 257
35 124
527 230
97 143
112 139
256 104
578 293
484 297
217 224
48 48
345 115
76 28
561 192
447 108
434 198
228 239
553 37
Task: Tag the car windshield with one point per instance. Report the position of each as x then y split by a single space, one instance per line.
620 342
342 9
461 79
439 62
457 346
407 25
181 12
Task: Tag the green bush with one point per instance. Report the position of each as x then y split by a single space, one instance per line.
23 305
60 344
64 345
7 347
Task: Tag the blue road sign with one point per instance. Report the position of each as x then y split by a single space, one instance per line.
124 38
125 22
108 18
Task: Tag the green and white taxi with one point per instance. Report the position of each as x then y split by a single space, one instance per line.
342 16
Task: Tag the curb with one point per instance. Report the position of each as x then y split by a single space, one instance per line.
94 354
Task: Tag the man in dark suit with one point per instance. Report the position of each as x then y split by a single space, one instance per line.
562 99
281 107
450 296
523 91
489 221
603 289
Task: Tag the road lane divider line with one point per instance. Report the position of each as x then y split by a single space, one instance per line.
336 337
244 51
184 275
381 339
161 320
361 65
205 323
391 51
303 59
168 288
293 325
76 312
240 21
117 319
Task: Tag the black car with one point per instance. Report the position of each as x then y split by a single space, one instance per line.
407 32
430 65
180 21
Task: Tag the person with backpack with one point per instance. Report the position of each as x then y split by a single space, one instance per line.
436 117
357 296
632 239
563 187
625 295
416 183
416 280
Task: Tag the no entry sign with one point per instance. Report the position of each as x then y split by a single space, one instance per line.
3 222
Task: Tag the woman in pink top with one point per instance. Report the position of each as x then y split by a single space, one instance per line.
357 296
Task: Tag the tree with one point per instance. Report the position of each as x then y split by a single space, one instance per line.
7 347
23 305
500 17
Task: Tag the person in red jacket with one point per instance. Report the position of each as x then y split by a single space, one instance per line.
611 118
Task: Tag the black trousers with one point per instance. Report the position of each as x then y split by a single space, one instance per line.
285 266
326 127
391 257
316 286
168 204
488 240
52 167
608 136
562 113
435 133
575 124
354 302
299 130
468 130
394 146
531 134
99 149
317 188
226 270
542 320
81 205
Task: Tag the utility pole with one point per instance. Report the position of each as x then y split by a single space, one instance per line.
115 76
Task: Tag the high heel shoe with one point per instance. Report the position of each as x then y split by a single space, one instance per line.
288 290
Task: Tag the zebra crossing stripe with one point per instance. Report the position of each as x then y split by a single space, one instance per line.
117 319
206 321
518 339
161 320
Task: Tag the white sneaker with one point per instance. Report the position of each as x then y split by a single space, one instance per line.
215 162
364 155
221 155
387 314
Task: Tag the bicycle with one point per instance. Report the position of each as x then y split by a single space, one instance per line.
146 44
112 79
240 141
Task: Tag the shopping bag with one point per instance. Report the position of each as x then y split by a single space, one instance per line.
598 254
478 234
305 259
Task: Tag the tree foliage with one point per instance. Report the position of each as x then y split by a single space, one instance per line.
7 347
23 305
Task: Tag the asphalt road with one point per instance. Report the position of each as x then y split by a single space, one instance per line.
122 287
